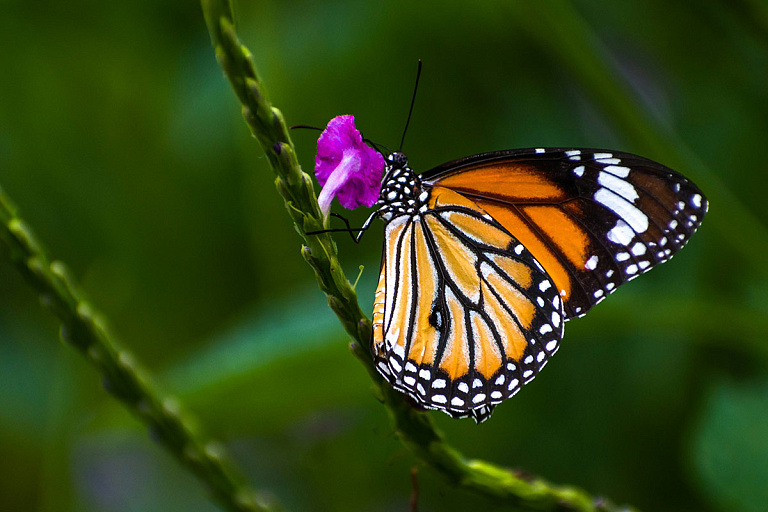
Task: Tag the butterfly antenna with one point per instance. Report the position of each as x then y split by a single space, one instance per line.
413 100
381 148
306 126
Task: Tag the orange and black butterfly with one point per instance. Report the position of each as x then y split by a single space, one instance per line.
485 259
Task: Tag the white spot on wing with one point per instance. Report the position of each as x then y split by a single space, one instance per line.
398 349
574 154
623 208
621 233
617 185
591 263
618 170
696 200
638 249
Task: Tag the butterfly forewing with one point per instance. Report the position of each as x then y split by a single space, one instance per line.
464 314
594 219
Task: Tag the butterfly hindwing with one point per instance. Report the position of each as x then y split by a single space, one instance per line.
464 314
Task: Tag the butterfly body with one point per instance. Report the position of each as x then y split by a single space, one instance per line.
486 257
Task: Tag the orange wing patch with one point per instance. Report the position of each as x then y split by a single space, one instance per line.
512 182
478 229
425 336
523 309
455 360
512 338
563 231
515 224
458 259
487 353
518 271
441 196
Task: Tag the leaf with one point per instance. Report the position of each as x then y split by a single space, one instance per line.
730 447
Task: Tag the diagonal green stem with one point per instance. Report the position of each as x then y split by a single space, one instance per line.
86 330
414 428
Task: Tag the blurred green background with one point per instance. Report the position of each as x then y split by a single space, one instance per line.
123 146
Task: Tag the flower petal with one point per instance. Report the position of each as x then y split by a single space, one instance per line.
346 167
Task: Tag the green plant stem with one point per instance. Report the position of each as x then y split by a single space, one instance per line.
86 329
414 428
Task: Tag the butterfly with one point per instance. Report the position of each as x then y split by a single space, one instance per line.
485 258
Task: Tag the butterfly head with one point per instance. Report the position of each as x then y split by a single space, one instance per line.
401 192
397 160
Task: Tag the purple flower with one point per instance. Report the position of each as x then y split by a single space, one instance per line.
346 167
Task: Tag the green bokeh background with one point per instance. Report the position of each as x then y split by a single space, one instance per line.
123 146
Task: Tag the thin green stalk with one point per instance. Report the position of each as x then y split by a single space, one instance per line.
86 329
414 428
